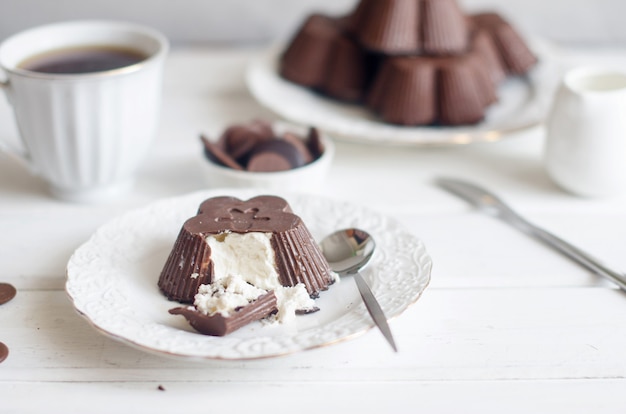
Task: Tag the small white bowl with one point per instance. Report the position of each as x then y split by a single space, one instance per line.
308 178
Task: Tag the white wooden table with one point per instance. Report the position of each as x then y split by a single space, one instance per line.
506 325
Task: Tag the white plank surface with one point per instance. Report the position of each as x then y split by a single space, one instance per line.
515 397
506 324
450 334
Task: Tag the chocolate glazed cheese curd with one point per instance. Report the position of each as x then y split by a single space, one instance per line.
411 62
257 244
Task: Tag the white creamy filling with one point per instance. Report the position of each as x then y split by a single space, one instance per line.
247 255
291 299
225 295
244 268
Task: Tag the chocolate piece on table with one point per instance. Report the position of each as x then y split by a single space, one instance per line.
218 155
219 325
4 352
275 155
7 292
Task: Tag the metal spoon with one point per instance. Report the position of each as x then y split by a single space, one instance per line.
348 251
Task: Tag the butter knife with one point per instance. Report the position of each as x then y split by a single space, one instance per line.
489 203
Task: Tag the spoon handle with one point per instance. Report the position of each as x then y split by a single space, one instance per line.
374 309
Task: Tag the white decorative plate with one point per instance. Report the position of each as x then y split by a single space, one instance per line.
112 281
523 103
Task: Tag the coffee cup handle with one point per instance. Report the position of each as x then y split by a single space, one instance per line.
10 148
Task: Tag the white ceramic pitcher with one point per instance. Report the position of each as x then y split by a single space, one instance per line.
585 150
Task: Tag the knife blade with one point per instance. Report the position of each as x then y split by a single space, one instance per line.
488 202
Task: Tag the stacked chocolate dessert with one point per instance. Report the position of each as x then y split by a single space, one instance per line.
411 62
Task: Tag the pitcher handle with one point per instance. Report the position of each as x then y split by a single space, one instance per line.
10 148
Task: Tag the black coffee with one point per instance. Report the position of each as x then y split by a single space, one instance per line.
86 59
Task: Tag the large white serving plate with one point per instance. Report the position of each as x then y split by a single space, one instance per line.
523 104
112 281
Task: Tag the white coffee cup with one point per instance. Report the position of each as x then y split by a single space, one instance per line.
585 151
85 134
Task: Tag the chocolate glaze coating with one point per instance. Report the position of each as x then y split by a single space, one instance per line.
262 213
219 325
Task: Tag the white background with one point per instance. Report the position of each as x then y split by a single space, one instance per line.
587 22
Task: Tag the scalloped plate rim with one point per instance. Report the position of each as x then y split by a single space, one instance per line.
352 123
77 274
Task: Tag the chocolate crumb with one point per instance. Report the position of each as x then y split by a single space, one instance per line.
7 292
161 388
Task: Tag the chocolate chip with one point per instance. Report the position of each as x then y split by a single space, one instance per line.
299 144
314 143
275 155
7 292
4 352
262 127
218 155
268 162
239 143
239 140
